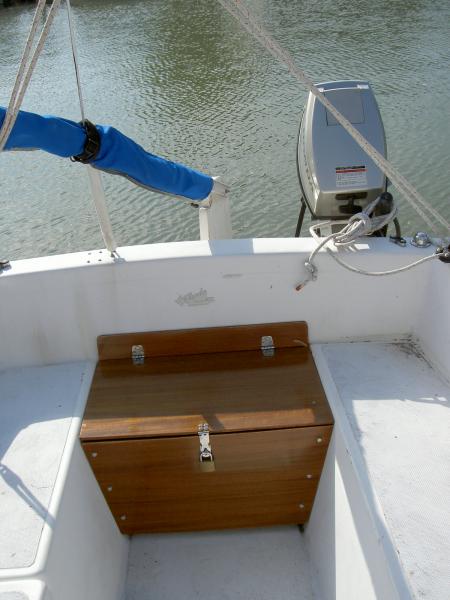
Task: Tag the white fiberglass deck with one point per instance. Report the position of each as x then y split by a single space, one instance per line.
398 408
252 564
54 308
37 408
395 405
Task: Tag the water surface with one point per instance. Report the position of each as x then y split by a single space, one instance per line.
185 81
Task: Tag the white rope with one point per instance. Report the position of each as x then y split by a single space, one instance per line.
75 58
23 77
381 273
363 223
95 179
19 76
411 195
347 236
27 67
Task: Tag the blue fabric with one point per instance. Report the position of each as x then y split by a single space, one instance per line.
118 154
52 134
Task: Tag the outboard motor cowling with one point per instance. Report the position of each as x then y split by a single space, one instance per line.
337 177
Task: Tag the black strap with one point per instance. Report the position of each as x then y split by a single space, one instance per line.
92 145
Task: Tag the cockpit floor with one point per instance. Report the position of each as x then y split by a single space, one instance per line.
252 564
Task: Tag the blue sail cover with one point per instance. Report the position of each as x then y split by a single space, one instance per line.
118 154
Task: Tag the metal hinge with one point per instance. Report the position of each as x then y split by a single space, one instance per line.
137 354
267 345
205 444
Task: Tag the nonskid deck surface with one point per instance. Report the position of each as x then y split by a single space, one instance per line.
37 406
397 405
252 564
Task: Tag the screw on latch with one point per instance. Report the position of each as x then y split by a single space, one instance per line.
94 454
109 488
319 440
301 506
309 476
123 518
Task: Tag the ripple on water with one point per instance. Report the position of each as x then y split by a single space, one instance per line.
186 82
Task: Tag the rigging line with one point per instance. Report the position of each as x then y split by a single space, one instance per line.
242 14
361 271
23 77
348 235
95 180
23 63
75 58
28 72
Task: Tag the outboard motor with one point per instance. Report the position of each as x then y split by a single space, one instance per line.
337 178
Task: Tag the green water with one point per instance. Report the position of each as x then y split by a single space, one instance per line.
186 82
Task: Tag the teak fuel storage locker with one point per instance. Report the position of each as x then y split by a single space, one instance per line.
207 428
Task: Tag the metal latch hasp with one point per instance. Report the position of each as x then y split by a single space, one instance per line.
205 444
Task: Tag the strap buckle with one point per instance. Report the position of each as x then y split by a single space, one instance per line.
91 146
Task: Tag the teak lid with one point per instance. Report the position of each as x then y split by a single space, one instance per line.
237 387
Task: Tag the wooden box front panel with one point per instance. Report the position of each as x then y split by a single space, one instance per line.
258 478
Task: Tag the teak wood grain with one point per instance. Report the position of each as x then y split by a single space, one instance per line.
235 391
269 420
258 478
200 341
